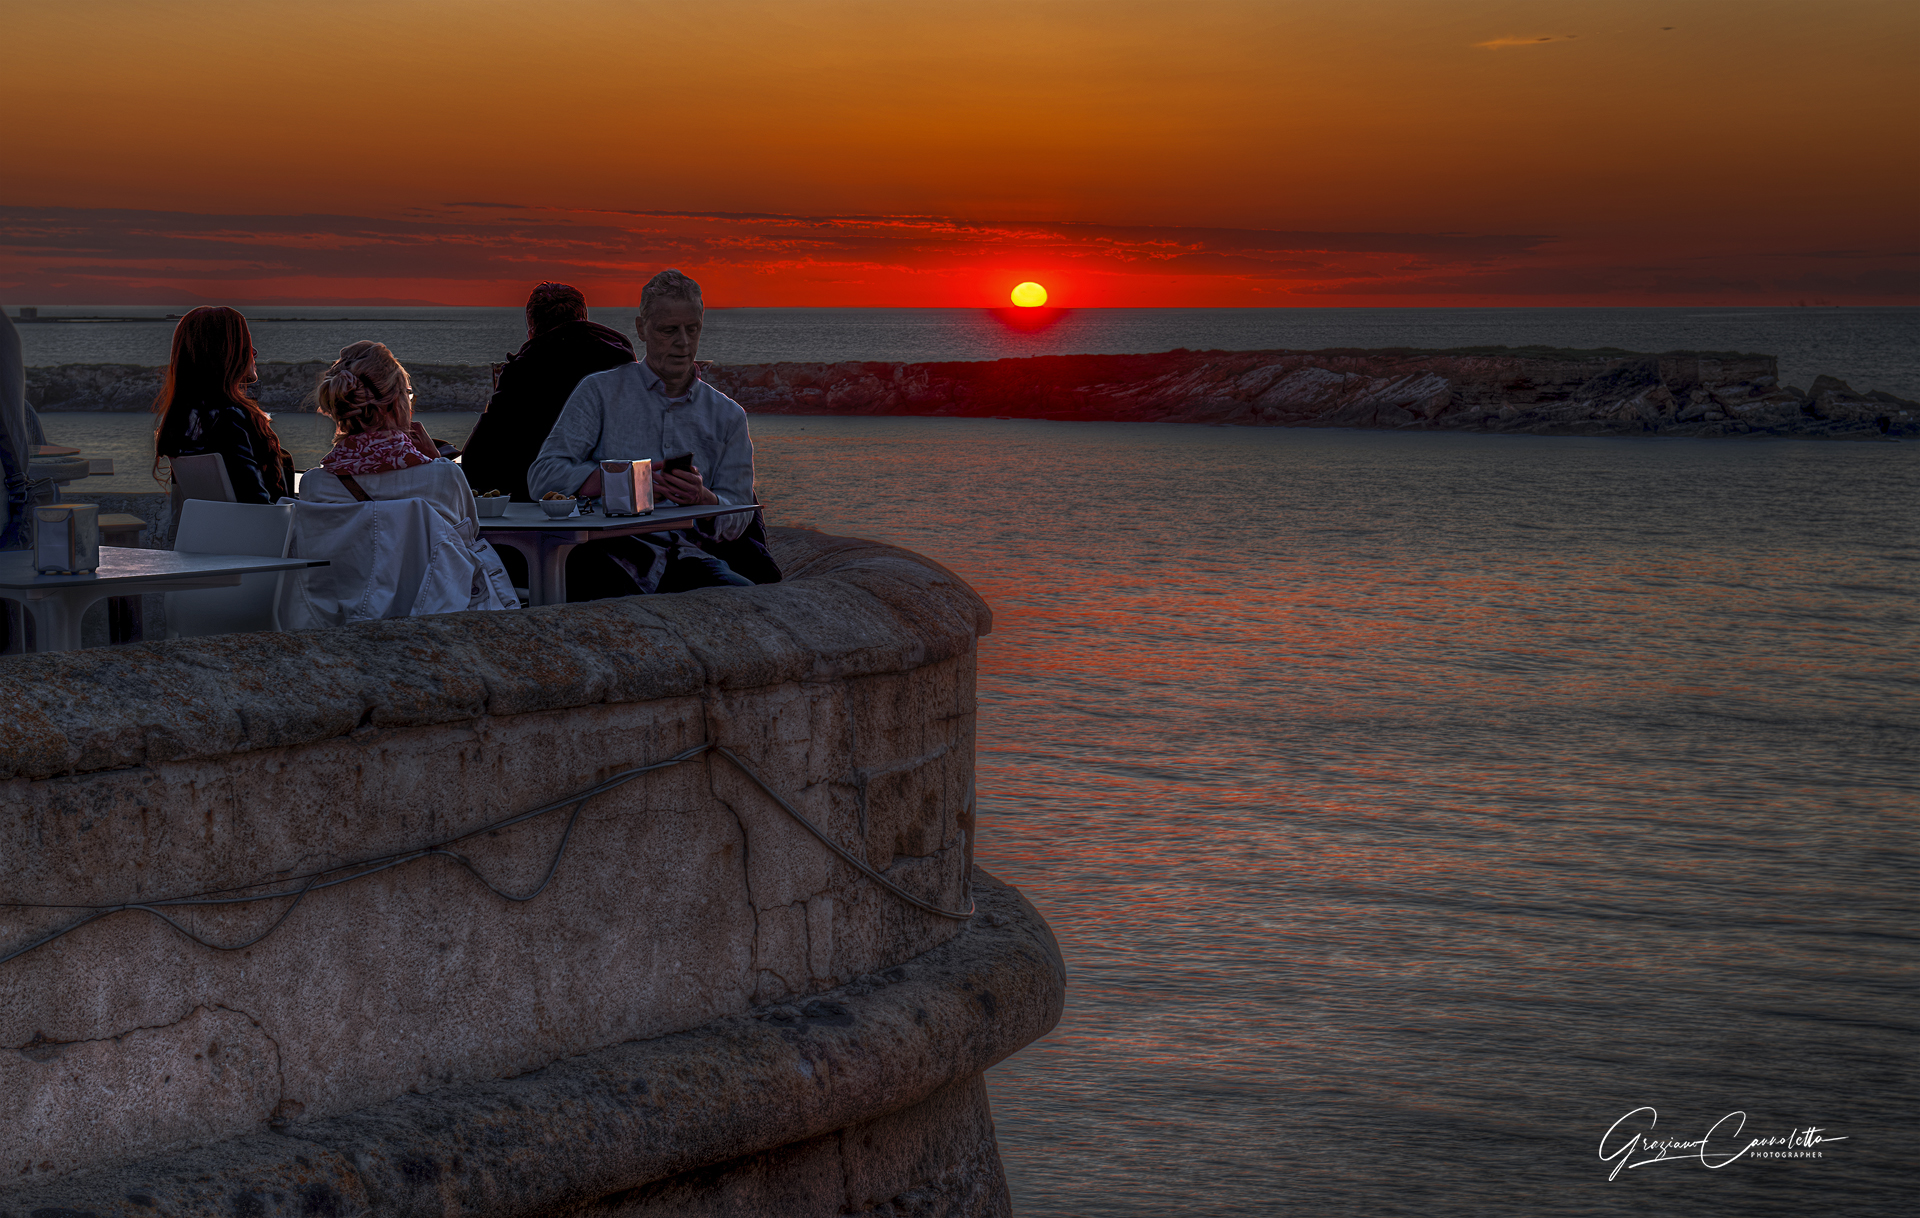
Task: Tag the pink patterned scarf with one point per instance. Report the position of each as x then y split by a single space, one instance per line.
374 452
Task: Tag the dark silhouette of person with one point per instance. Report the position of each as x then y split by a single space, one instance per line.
562 346
203 406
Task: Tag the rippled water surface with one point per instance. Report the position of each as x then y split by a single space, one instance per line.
1412 807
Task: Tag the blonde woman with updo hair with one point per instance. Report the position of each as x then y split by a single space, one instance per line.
379 452
381 567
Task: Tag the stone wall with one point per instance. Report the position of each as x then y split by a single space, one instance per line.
686 898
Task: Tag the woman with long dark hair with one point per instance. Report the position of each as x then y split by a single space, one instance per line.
203 407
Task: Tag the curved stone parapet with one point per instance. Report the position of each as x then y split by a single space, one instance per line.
864 1096
683 902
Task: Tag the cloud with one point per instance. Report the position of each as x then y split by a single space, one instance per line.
68 248
460 254
1849 254
1497 44
1732 280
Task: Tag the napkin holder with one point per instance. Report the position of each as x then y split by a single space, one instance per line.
626 487
66 538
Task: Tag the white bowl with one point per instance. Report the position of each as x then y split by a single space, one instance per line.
496 506
557 508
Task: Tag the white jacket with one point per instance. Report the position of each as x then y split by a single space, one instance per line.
441 483
415 548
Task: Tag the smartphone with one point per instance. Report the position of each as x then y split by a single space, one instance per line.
682 462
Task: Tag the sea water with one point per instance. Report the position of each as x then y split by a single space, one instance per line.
1871 348
1411 808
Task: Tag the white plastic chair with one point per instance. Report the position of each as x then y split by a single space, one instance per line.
207 527
201 477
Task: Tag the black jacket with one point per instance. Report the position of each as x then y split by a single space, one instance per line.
533 388
227 429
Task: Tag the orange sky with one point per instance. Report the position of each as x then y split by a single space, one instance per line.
1312 152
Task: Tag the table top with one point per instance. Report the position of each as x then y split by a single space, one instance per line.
54 450
528 517
122 565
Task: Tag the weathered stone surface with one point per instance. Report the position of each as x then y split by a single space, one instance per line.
186 1077
857 608
243 764
1520 389
863 1099
937 1158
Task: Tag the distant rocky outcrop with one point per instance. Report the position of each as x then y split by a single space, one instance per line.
1528 389
1535 390
281 386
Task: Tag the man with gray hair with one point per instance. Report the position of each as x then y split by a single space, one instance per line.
659 408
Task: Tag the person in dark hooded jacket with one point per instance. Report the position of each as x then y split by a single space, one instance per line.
562 346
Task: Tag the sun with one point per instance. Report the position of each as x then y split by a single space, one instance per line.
1029 295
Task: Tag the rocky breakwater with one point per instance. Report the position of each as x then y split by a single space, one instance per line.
666 996
133 387
1535 390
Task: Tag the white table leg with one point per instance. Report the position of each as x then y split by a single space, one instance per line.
528 549
56 619
57 612
553 572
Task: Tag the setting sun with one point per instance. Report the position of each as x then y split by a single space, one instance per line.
1029 295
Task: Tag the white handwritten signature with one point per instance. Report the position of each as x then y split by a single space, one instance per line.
1628 1148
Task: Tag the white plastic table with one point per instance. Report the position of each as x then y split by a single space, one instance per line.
57 602
545 543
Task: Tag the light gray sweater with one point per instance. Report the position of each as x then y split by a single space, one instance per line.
624 414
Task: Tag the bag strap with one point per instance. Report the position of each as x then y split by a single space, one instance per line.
347 480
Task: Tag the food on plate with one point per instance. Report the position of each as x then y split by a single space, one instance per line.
555 495
493 494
